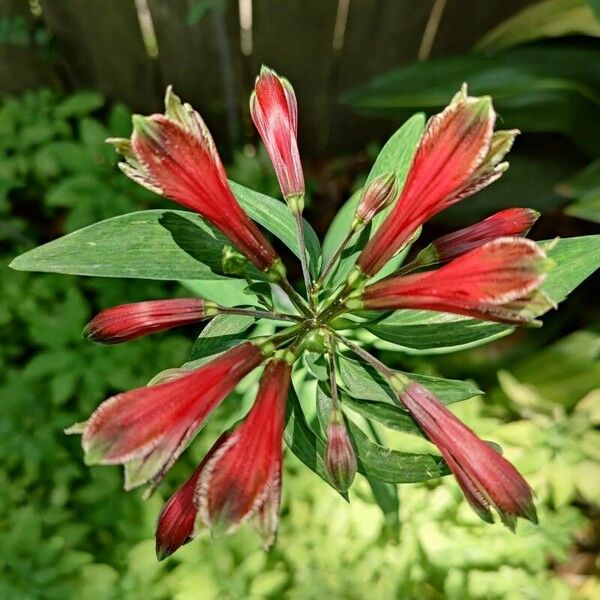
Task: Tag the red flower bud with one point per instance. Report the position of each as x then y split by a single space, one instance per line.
174 155
506 223
130 321
244 475
275 114
486 477
340 458
456 157
377 196
494 282
146 429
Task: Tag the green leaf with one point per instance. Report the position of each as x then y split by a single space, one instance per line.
222 333
226 292
549 19
152 244
587 208
391 466
420 331
362 382
396 156
79 104
276 217
548 87
386 496
302 441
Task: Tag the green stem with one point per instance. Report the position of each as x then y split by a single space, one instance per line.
367 357
302 243
333 260
332 372
295 298
259 314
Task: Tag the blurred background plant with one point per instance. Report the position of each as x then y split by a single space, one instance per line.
68 531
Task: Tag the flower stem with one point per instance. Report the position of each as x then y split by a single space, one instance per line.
259 314
332 372
367 357
302 243
295 298
333 260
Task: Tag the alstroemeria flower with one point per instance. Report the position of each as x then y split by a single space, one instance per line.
175 525
486 477
340 458
495 282
146 429
174 155
377 196
457 156
512 222
275 114
130 321
244 474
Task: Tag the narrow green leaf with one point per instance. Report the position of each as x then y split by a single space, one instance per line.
363 383
151 244
396 156
386 496
276 217
302 441
428 332
222 333
391 466
548 19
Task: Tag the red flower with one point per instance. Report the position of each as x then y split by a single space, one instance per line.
174 155
275 114
494 282
130 321
377 196
146 429
243 477
340 458
175 525
506 223
486 478
457 156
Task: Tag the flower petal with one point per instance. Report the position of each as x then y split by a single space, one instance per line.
495 281
150 426
175 525
237 480
455 144
275 114
485 476
130 321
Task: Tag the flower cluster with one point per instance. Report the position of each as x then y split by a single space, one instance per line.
486 271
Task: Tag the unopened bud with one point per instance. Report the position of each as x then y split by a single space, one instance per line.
376 196
340 458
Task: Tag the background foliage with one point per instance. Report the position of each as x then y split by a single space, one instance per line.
68 531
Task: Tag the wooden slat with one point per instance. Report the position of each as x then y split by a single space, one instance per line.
295 38
380 35
202 61
101 47
22 67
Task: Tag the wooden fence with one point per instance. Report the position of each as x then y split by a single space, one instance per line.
210 50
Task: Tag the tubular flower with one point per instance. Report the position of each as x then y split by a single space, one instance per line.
146 429
486 477
458 155
243 477
175 525
275 114
174 155
512 222
340 458
130 321
495 282
377 196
